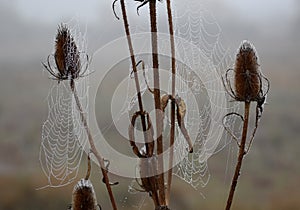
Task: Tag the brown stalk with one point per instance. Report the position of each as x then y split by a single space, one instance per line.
134 68
240 156
172 129
149 145
93 147
88 172
158 111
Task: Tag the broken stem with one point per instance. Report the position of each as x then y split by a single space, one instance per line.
240 156
92 145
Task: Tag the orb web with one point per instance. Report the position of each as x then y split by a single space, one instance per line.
208 63
63 135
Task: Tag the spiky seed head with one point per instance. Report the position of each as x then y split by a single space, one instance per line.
61 39
84 196
247 76
67 57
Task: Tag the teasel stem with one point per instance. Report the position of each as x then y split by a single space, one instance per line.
148 145
88 172
132 57
92 145
172 129
134 68
158 111
241 155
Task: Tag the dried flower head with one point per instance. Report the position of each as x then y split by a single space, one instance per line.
66 56
250 85
66 53
84 196
247 82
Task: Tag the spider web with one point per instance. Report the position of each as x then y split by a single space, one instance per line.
197 25
200 65
63 135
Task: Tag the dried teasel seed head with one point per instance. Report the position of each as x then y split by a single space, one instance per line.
247 76
67 57
84 196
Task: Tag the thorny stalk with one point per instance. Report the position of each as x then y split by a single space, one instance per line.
93 147
240 156
158 111
172 129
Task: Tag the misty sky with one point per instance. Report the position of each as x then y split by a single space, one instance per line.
28 27
51 10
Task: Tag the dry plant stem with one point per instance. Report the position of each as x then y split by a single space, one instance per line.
133 63
172 130
92 145
240 156
88 173
158 111
137 84
132 58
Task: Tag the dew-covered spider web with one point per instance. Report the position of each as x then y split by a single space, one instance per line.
201 61
197 25
63 135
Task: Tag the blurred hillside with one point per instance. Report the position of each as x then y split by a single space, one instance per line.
271 171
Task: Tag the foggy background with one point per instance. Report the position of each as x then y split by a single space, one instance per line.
271 171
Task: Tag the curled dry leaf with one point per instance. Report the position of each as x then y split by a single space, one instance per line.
181 111
164 101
